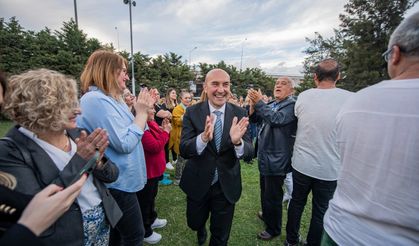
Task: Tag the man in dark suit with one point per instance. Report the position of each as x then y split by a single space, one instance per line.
214 138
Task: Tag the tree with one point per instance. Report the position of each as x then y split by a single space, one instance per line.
241 82
166 71
65 50
74 50
13 46
359 41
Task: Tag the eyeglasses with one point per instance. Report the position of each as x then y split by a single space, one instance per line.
386 55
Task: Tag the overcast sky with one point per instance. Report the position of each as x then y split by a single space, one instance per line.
271 33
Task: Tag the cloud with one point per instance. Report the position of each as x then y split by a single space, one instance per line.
271 33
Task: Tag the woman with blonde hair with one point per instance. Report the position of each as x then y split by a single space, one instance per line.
169 104
103 83
45 147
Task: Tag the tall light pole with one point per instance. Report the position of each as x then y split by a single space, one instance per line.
75 13
117 36
190 55
241 57
130 2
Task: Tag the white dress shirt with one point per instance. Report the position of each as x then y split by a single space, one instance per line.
200 144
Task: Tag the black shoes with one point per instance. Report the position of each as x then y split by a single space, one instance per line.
202 236
265 236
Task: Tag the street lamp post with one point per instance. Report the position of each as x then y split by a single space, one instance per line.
190 55
75 13
241 57
117 36
130 2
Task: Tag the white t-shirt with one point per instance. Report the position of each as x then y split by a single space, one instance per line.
377 197
315 152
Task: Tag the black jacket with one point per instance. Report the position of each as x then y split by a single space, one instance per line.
199 169
34 175
276 137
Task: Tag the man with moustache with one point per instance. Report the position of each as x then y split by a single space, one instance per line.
214 138
275 142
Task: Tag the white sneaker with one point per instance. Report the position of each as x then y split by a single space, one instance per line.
159 223
170 166
153 238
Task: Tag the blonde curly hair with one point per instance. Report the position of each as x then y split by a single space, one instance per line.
40 100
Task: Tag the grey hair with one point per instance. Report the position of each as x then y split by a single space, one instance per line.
291 81
406 35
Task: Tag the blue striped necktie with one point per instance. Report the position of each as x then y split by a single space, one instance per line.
218 132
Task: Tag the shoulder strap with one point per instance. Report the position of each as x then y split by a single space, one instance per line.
26 158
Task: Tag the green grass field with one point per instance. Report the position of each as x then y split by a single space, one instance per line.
171 204
4 127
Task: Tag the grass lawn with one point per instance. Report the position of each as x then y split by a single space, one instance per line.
171 204
4 127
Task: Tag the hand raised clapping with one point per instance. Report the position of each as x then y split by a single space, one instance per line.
145 101
209 129
238 129
88 144
254 96
166 125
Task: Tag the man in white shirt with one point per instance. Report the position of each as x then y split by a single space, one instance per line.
377 197
315 159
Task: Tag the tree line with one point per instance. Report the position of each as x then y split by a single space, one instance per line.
357 44
67 50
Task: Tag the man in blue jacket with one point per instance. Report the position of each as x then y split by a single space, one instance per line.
274 149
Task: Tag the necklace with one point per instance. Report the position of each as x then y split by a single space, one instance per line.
56 142
67 145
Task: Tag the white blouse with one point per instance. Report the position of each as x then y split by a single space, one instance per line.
89 195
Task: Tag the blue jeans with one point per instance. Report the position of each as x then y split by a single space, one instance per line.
322 192
130 229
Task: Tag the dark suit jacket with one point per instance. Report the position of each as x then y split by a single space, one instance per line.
199 169
34 175
19 235
275 142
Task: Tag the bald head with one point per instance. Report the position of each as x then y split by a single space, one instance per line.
327 70
217 87
216 72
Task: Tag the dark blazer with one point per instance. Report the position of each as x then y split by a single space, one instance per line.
20 235
40 171
199 169
275 142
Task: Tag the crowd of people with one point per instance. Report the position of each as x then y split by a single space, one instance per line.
87 172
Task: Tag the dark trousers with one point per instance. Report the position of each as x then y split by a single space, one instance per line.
129 230
322 192
146 198
271 194
166 153
222 211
